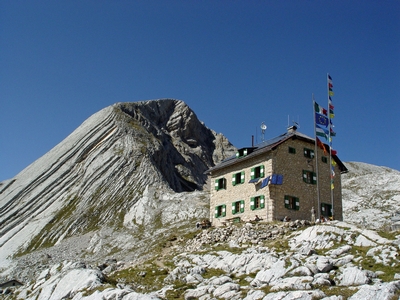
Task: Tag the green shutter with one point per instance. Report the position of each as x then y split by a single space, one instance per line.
216 212
242 177
252 173
297 203
304 175
234 179
223 210
241 206
262 201
261 171
234 208
312 153
216 184
286 202
252 206
314 178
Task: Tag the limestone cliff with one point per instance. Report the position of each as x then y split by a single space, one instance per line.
121 157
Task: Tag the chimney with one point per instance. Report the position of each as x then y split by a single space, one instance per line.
292 129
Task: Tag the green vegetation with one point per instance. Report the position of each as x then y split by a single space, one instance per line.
345 292
146 278
43 240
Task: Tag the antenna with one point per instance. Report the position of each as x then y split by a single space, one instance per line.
263 128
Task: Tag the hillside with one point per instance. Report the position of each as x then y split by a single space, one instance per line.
371 194
126 169
110 213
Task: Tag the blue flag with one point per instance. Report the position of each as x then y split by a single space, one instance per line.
321 120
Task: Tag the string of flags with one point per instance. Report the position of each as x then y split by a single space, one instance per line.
324 127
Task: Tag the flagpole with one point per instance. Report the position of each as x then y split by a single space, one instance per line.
316 160
330 147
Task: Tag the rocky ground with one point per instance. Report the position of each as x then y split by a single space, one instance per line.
294 260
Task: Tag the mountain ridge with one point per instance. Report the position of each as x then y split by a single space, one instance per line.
110 212
112 156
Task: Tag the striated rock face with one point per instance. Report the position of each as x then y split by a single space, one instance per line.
95 178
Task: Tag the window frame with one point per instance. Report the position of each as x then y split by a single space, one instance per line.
237 210
220 184
239 175
220 211
241 152
291 202
257 202
309 153
259 170
292 150
312 179
324 159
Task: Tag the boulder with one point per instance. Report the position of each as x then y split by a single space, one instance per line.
353 276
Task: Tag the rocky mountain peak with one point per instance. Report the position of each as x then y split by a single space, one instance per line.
98 174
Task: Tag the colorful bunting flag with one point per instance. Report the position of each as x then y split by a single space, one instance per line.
321 146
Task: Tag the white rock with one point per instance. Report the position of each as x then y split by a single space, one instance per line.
225 288
387 290
276 271
196 293
292 283
353 276
254 295
362 241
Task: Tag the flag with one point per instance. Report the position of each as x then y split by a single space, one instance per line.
334 152
321 132
321 120
320 109
321 146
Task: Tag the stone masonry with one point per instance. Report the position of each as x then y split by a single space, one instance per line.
279 160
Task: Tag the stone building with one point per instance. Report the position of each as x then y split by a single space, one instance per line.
275 179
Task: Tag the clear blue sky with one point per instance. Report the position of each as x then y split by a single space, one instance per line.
235 63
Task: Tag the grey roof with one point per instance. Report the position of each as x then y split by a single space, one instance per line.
269 145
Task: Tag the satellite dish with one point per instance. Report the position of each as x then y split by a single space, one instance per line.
263 128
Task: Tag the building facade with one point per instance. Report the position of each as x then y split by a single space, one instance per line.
287 176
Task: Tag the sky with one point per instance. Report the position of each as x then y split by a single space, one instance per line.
237 64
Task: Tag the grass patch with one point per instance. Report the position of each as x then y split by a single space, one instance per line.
146 278
43 240
209 273
345 292
369 263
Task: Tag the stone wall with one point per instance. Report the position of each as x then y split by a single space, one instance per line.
291 166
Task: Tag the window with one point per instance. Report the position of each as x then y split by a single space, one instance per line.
257 202
292 202
220 211
309 177
241 152
220 184
238 178
292 150
324 159
238 207
308 153
257 172
326 209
